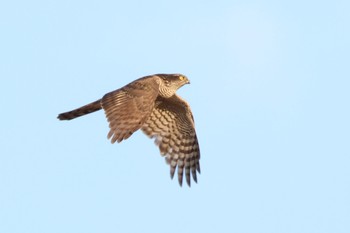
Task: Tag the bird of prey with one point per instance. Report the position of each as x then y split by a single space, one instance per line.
151 104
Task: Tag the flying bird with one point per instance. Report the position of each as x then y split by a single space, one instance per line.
151 104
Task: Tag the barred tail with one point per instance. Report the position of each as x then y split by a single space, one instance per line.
86 109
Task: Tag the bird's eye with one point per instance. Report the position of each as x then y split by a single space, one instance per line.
181 77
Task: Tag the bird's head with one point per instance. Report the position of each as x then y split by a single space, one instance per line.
177 80
172 82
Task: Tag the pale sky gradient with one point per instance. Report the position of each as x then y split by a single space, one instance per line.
269 91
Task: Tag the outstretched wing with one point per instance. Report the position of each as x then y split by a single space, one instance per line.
171 124
129 107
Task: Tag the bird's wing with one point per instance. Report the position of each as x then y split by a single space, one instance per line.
171 124
129 107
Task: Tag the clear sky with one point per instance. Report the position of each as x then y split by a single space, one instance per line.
269 91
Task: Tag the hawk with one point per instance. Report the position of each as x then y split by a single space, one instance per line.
151 104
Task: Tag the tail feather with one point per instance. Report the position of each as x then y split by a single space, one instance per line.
86 109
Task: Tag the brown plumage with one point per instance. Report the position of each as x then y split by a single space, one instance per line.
150 104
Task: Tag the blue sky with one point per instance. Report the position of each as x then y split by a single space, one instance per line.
269 92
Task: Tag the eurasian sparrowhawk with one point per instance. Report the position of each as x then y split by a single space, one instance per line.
151 104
